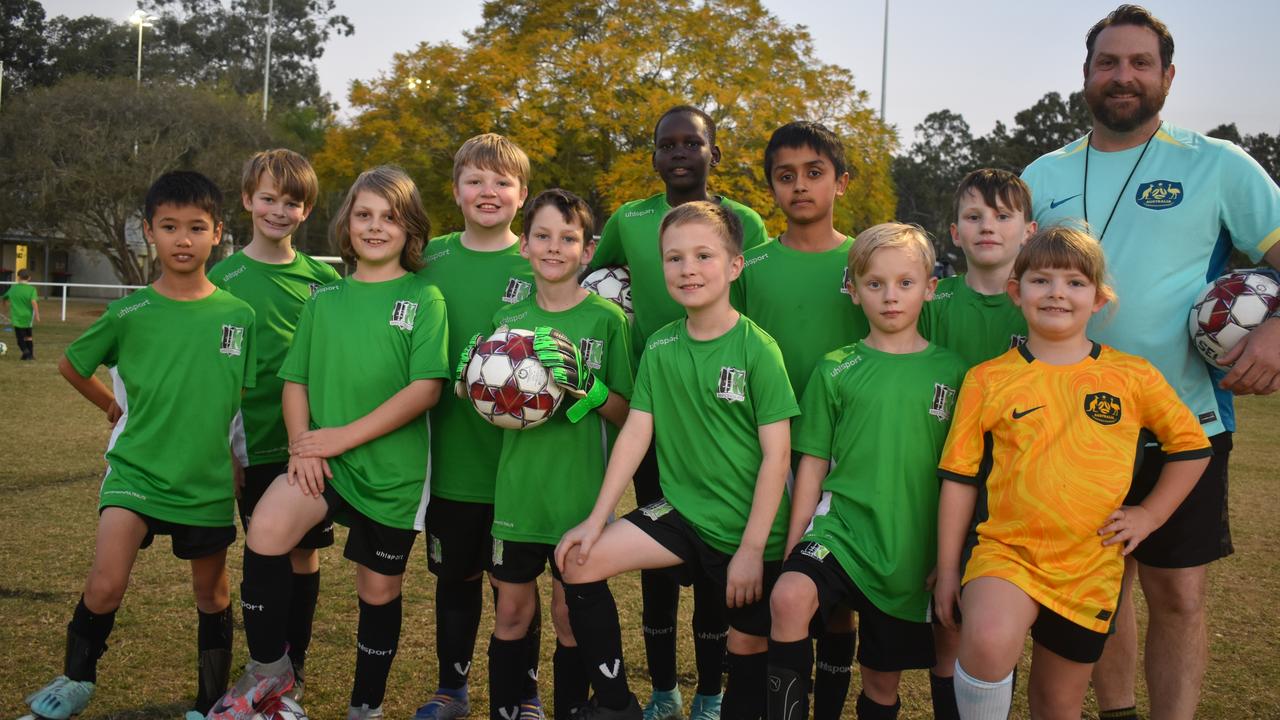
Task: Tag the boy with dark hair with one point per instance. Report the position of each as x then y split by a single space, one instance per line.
25 312
278 188
180 351
713 389
865 506
479 271
684 152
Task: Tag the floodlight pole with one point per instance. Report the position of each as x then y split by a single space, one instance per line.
266 71
884 61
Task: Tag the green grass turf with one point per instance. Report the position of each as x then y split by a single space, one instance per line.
50 466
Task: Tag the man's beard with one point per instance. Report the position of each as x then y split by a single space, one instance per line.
1148 106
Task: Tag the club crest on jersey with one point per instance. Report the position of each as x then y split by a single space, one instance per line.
232 340
497 551
1159 194
733 384
312 288
944 401
817 551
516 291
1017 341
403 315
844 281
592 351
1102 408
656 509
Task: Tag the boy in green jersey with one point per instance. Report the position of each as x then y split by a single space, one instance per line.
684 152
538 495
20 301
278 189
972 313
713 389
180 352
864 514
480 272
797 289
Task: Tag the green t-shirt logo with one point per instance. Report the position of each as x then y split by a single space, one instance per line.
944 401
844 281
733 384
402 315
517 290
1016 340
232 339
592 351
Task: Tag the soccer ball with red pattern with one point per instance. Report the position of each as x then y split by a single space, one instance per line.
507 384
284 708
613 284
1228 308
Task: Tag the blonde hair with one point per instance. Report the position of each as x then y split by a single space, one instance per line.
1065 248
722 220
396 187
909 237
291 172
495 153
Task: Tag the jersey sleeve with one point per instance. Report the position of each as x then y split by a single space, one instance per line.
97 346
297 361
619 376
640 398
772 398
814 432
1180 434
609 250
1250 205
962 453
429 344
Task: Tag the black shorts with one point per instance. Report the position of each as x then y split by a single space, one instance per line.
459 546
648 488
190 542
381 548
1198 532
885 643
257 478
515 561
662 522
1073 642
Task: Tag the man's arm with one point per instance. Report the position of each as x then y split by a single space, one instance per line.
1255 360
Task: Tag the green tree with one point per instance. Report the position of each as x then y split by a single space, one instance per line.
22 43
579 86
927 175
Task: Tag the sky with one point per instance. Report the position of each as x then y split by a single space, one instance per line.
985 59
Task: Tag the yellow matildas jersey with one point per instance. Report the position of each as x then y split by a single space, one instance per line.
1064 440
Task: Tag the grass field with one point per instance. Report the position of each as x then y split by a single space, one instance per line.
53 441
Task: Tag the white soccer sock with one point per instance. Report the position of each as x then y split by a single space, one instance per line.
980 700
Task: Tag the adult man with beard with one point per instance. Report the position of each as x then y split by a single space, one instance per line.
1168 204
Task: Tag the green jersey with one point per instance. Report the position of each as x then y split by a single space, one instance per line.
802 300
539 495
881 419
975 326
708 399
630 237
465 448
177 369
276 292
357 344
22 298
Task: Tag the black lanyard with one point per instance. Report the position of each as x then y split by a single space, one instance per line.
1085 191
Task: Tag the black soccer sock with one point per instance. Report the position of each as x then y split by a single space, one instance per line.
213 663
788 679
834 668
264 601
570 682
869 709
86 642
1129 713
302 612
710 631
660 601
508 662
745 693
593 615
943 692
533 651
377 638
458 607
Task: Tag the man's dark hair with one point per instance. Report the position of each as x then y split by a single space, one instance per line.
804 133
691 110
184 187
1132 15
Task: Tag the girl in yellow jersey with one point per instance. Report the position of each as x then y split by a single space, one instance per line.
1063 419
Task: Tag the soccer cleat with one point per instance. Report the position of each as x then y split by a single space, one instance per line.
260 684
295 693
592 711
364 712
531 709
705 707
665 705
60 699
446 704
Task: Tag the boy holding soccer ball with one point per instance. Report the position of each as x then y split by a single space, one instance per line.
538 496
